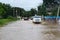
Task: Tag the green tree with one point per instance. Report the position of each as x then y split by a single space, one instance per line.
33 11
52 6
42 10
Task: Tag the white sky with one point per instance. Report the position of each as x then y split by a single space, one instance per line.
26 4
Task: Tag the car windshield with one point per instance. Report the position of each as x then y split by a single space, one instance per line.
37 17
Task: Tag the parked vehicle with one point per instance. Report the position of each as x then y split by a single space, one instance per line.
31 18
26 18
37 19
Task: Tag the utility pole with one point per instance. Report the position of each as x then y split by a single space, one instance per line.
13 12
57 14
16 13
58 11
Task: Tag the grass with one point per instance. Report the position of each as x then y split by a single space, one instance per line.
5 21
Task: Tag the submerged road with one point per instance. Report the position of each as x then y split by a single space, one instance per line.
26 30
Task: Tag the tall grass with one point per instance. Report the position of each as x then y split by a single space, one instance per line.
5 21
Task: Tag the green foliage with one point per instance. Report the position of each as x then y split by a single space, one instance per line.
33 12
10 17
4 21
6 10
54 12
51 3
30 13
42 10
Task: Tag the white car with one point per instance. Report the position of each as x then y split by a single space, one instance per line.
37 19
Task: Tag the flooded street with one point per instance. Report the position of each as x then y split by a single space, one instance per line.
26 30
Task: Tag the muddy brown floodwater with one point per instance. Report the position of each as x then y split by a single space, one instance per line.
26 30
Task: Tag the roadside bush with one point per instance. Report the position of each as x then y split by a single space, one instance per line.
7 20
11 18
4 21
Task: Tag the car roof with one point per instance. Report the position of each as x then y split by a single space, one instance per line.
36 16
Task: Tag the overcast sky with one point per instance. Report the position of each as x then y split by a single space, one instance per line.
26 4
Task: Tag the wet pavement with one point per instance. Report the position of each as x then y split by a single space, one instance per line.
26 30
